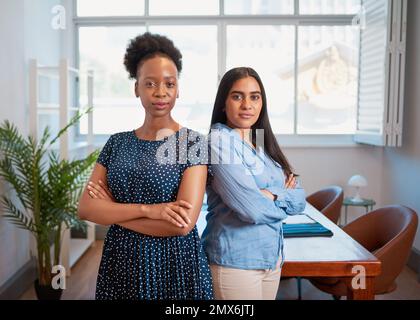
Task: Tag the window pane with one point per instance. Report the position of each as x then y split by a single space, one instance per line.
270 51
102 50
327 79
329 6
110 8
259 7
183 7
198 79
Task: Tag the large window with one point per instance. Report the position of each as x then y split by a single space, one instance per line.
259 7
198 80
327 79
183 7
329 6
269 49
102 50
98 8
306 52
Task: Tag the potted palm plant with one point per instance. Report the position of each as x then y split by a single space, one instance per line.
46 189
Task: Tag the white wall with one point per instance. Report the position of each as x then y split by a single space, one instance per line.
13 242
41 40
401 166
321 167
25 33
12 95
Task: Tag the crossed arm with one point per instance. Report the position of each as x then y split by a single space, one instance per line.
164 219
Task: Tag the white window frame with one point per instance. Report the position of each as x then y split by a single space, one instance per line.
221 21
384 63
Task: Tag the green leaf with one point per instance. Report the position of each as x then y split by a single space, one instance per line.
47 187
73 121
17 217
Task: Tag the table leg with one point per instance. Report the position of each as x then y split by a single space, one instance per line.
340 219
367 293
345 221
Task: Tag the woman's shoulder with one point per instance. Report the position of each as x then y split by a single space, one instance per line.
193 132
223 134
193 136
225 144
222 131
221 128
120 137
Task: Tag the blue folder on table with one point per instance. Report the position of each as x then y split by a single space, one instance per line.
305 230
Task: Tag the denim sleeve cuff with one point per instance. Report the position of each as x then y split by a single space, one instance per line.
276 191
291 200
280 203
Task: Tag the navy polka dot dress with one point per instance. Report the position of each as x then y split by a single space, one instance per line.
138 266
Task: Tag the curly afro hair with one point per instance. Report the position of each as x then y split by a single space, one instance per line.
146 46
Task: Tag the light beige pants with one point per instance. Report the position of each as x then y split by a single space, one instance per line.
240 284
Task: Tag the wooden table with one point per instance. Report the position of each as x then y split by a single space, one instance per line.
334 256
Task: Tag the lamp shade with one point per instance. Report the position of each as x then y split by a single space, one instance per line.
357 181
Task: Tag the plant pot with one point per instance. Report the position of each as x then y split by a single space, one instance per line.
47 292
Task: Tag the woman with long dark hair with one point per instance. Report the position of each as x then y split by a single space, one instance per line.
252 190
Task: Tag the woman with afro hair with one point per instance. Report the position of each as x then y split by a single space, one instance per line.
148 184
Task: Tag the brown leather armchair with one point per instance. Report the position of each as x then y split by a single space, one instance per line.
389 234
329 201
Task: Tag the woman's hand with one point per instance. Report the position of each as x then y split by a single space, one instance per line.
268 194
99 191
290 182
176 212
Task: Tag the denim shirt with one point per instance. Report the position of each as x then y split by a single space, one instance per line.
244 227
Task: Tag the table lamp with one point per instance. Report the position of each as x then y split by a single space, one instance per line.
358 182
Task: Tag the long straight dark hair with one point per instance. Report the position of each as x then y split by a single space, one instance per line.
271 147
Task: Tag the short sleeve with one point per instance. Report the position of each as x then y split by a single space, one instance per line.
105 154
198 151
